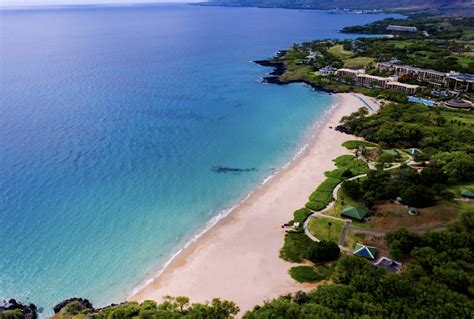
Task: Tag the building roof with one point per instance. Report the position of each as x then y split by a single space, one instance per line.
365 251
388 264
358 71
467 193
409 86
353 212
460 104
374 77
461 76
413 151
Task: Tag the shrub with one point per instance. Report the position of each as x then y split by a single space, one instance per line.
295 247
323 251
315 205
309 274
300 215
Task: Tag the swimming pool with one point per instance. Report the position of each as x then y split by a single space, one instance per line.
422 101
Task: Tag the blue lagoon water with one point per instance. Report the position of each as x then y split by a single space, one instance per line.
111 120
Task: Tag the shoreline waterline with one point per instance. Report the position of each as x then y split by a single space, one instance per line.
244 245
214 221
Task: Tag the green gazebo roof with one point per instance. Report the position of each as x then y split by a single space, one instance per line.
365 251
467 193
353 212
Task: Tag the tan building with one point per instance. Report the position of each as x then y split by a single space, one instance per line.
407 88
349 72
373 81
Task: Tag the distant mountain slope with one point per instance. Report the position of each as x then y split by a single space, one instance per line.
462 7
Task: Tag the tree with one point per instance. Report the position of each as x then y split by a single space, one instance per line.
352 189
418 196
323 251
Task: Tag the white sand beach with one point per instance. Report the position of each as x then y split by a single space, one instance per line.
238 259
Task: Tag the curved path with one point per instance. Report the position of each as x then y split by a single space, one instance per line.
331 205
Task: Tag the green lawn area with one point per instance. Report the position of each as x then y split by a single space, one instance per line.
338 50
309 273
358 63
401 44
355 144
352 238
319 227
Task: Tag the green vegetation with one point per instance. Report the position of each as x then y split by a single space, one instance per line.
309 273
295 247
171 307
12 314
319 227
436 284
356 144
339 52
347 166
445 142
359 62
323 251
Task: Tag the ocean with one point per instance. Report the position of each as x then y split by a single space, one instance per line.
125 131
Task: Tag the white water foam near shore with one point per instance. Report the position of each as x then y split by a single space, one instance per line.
307 141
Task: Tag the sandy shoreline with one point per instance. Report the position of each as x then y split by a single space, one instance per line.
238 259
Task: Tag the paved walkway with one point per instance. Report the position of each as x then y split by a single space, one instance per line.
321 212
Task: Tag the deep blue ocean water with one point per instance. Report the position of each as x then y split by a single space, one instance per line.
111 120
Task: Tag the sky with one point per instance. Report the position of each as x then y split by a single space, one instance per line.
20 3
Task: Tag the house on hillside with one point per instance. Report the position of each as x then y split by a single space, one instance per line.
368 252
354 213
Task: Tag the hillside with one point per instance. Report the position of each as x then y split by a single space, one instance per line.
446 7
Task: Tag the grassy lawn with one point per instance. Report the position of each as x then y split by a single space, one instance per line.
338 50
390 216
352 238
319 227
355 144
358 63
309 273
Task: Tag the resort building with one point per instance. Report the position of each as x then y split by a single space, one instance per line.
349 72
327 70
372 80
407 88
457 81
365 251
401 28
362 79
460 81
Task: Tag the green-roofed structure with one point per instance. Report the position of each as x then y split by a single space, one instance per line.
365 251
354 213
413 151
467 193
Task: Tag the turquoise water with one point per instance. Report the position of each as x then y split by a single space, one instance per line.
111 122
